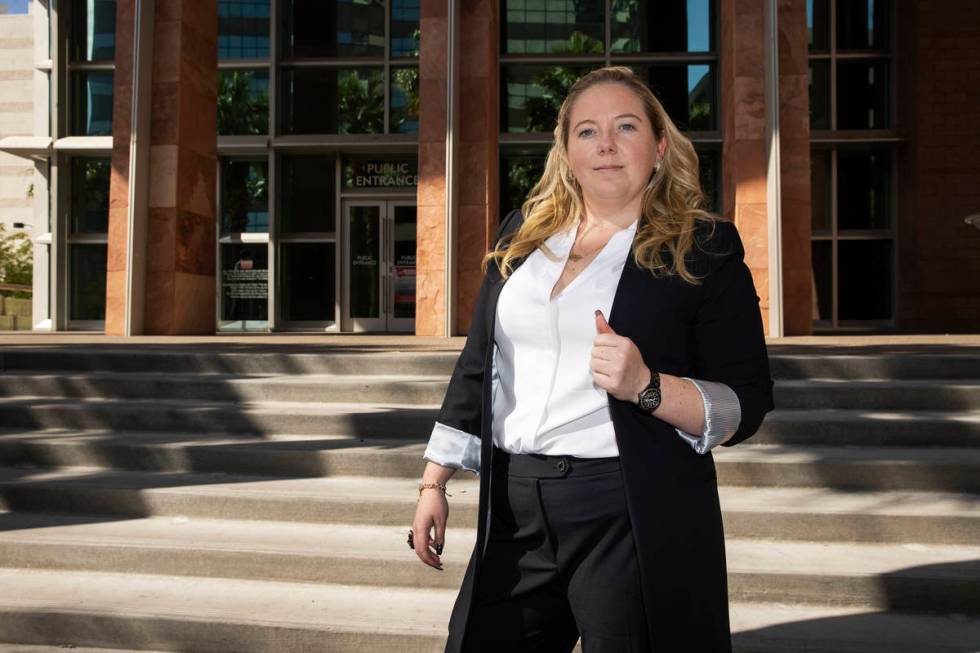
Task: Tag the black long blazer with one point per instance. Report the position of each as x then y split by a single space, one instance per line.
711 331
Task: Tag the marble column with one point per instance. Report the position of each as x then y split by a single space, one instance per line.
478 152
794 142
477 168
180 287
743 125
430 285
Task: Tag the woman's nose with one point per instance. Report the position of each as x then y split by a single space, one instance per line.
606 143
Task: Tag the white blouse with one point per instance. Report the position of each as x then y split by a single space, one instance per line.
544 397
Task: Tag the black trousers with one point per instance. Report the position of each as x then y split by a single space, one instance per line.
560 560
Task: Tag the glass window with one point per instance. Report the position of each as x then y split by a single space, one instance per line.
93 30
661 26
532 94
686 91
87 273
355 95
364 267
819 95
867 267
91 103
553 26
818 24
243 29
404 112
333 28
89 196
862 24
862 95
823 280
518 174
308 194
710 177
820 190
863 189
308 283
244 283
244 196
243 102
405 28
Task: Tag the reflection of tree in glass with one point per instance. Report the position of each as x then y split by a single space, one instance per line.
700 115
240 110
627 25
522 174
16 259
542 110
406 81
360 103
96 192
244 184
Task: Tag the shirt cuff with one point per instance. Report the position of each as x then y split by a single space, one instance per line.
451 447
722 415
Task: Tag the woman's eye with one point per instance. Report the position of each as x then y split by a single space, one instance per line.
627 126
584 132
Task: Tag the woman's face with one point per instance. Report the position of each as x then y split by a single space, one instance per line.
611 145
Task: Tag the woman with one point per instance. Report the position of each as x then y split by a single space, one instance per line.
599 512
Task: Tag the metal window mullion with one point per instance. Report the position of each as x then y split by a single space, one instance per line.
607 33
386 71
341 302
272 269
833 238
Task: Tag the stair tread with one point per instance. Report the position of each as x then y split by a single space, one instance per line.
745 452
388 542
466 490
231 378
253 407
426 611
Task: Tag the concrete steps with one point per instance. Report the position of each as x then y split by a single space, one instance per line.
237 499
808 427
813 514
885 576
190 613
889 468
916 394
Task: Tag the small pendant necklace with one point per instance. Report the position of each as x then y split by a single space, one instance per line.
572 256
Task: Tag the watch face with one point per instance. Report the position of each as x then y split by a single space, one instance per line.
650 399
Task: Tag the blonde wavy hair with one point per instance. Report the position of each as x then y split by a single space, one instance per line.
672 201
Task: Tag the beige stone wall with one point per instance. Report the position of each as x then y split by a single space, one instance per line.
16 115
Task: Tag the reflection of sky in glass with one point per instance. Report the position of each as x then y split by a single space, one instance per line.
697 25
694 76
98 111
809 14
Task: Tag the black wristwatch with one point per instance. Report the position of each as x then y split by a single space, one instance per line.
649 397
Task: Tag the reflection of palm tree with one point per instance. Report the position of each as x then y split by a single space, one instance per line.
241 112
360 103
555 81
406 80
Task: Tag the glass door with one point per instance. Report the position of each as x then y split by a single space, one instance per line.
380 265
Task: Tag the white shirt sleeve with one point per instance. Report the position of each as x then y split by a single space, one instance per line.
451 447
722 415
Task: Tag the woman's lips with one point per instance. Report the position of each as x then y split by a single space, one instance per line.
607 168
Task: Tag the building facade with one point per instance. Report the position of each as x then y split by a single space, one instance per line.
207 166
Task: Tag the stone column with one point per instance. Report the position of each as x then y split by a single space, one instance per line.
477 185
794 141
430 286
180 259
743 123
478 155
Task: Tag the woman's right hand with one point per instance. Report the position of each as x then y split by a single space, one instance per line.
431 515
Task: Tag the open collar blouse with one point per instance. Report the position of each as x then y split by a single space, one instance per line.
544 397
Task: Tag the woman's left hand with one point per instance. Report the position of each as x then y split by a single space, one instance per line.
617 364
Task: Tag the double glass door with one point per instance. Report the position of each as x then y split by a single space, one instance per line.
380 265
